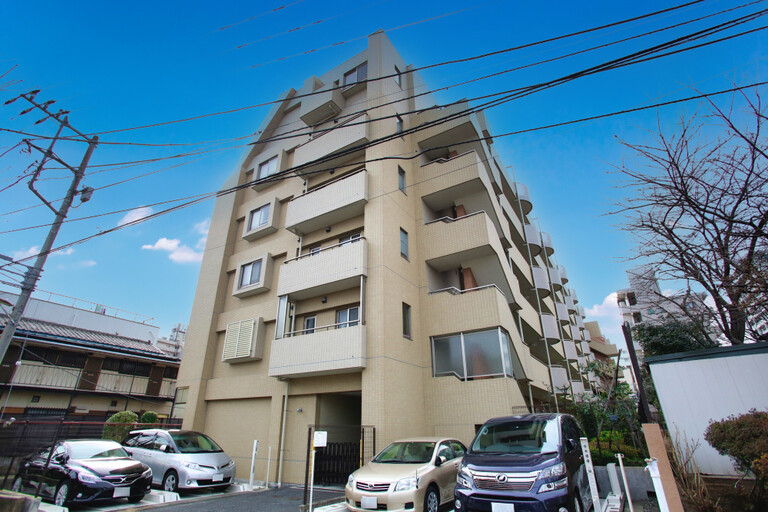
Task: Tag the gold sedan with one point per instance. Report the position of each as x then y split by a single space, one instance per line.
416 474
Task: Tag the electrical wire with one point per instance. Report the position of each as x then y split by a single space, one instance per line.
259 15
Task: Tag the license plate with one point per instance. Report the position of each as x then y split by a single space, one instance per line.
218 477
369 502
122 492
502 507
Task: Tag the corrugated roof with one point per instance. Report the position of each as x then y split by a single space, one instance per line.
87 337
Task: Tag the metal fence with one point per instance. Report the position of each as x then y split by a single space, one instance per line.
21 438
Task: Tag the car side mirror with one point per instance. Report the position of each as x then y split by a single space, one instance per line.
570 444
167 448
61 458
440 460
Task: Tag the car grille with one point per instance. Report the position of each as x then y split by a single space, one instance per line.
365 486
490 481
211 482
380 506
121 480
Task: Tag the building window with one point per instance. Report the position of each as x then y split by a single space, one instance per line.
309 324
401 179
480 354
250 273
399 124
35 399
403 243
267 168
354 237
406 320
113 403
359 74
347 317
171 372
259 217
398 77
314 250
637 317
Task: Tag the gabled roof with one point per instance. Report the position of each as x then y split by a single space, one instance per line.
40 330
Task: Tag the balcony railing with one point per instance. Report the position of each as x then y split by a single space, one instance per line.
329 350
353 132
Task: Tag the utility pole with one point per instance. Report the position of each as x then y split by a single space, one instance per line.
32 275
643 409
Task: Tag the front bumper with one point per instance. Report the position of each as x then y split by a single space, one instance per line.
90 492
473 500
391 501
197 478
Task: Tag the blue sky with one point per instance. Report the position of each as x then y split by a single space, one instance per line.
117 66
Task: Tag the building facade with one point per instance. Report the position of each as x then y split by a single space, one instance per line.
375 269
82 365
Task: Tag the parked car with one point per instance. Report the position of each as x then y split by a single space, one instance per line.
83 471
414 474
531 463
181 459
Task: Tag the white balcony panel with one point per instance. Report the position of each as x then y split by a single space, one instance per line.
578 387
524 196
562 313
321 105
537 372
563 273
551 329
168 387
344 137
554 276
117 382
334 202
547 241
580 322
570 350
574 296
587 335
569 303
560 380
533 238
320 353
541 281
39 374
582 361
336 268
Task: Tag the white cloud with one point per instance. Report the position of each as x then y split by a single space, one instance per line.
177 251
65 252
32 251
138 213
87 263
202 227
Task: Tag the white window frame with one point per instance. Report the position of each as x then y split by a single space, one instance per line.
249 266
403 243
309 329
267 168
401 184
398 77
354 75
263 212
398 124
351 238
347 322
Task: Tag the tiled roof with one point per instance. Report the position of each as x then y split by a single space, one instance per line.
96 339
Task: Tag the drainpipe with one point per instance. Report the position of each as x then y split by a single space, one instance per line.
282 435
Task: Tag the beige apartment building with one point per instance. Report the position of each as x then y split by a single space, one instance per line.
376 269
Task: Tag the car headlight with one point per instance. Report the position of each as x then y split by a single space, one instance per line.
88 478
406 484
464 478
551 486
147 473
555 471
351 480
192 465
231 463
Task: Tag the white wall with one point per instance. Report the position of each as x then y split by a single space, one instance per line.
696 389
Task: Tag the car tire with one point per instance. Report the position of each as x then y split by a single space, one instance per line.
431 500
17 483
577 504
171 481
61 497
136 499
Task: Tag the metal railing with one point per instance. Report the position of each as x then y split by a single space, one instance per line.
328 327
331 182
447 219
456 291
442 160
334 246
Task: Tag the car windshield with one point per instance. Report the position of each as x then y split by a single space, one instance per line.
96 450
194 442
406 452
518 436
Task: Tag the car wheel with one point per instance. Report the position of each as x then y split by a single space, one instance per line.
431 500
136 499
171 481
16 487
576 503
62 494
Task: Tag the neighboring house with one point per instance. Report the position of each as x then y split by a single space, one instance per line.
695 388
82 365
174 344
392 279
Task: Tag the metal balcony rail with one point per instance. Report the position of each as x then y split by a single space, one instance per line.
328 327
310 254
442 160
339 125
455 291
327 183
448 219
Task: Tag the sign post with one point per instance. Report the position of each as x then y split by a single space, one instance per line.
320 440
253 460
590 473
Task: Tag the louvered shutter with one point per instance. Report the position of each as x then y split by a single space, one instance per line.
238 341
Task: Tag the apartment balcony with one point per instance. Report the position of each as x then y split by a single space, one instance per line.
578 387
444 183
587 335
562 313
560 380
580 322
469 241
533 238
582 361
570 304
451 125
606 349
541 281
328 204
551 329
330 351
570 350
537 372
554 276
344 137
547 241
451 310
334 268
320 106
524 196
119 383
563 274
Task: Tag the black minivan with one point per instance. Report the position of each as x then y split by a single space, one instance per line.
528 463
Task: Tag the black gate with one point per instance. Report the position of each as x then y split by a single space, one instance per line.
347 448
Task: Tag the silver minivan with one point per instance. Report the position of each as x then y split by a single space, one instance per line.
181 459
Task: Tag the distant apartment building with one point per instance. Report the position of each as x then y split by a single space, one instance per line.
375 272
80 364
173 345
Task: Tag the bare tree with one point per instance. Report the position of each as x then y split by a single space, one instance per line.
699 208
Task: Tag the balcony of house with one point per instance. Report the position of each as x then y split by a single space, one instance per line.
524 197
570 304
326 350
332 202
331 269
537 372
554 276
546 240
604 349
321 105
551 328
41 375
332 144
570 350
560 383
533 238
578 387
454 310
446 125
541 281
563 274
469 242
562 313
458 185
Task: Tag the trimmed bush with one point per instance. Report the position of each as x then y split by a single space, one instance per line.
149 417
119 425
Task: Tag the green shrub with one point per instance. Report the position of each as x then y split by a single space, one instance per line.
119 425
149 417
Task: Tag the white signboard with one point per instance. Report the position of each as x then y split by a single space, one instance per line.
321 439
590 472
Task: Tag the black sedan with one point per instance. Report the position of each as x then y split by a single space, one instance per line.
83 471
